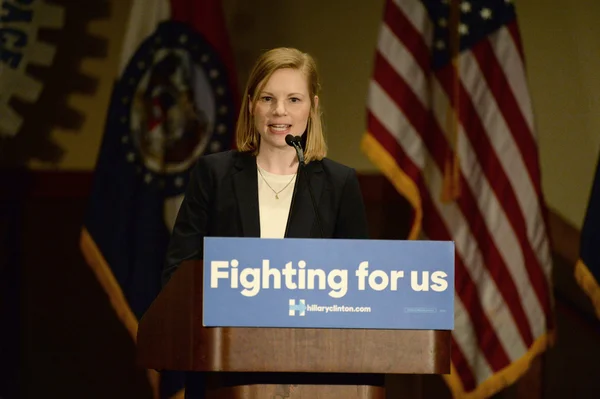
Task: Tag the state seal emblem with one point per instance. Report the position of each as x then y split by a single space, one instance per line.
174 104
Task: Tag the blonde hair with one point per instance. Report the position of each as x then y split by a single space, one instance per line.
247 137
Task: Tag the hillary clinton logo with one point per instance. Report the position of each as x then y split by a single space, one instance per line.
174 106
297 307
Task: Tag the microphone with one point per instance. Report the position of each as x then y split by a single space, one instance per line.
294 141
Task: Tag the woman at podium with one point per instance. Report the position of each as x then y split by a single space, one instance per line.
279 182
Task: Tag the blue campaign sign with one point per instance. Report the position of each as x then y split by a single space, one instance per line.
328 283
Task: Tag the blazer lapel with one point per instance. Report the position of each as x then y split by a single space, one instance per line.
302 222
245 184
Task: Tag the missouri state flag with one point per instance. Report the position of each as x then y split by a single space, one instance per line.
174 100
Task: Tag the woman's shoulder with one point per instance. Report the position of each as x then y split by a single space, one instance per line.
217 158
338 173
336 168
221 160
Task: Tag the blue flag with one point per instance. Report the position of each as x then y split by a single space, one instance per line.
174 101
587 271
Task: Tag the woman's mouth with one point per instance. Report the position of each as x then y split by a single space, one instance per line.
279 128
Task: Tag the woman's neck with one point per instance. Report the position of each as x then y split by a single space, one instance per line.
278 161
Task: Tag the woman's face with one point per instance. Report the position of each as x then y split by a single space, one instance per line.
282 108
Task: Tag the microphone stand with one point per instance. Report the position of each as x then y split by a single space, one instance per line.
296 144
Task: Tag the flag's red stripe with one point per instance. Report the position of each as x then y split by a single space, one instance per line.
492 258
493 170
488 341
404 30
423 121
379 132
462 366
513 28
206 17
515 34
435 228
509 107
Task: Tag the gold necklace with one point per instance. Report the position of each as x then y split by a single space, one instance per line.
276 192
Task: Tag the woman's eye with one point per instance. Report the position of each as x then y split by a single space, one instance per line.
294 99
266 98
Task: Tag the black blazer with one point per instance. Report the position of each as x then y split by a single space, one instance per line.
221 200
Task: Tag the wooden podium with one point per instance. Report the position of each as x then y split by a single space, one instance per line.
279 362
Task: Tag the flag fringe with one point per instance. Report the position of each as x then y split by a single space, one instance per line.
588 284
408 188
100 268
401 181
503 378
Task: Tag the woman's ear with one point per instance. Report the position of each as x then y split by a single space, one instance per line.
316 100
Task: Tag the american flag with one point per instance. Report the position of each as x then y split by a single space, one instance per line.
450 123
